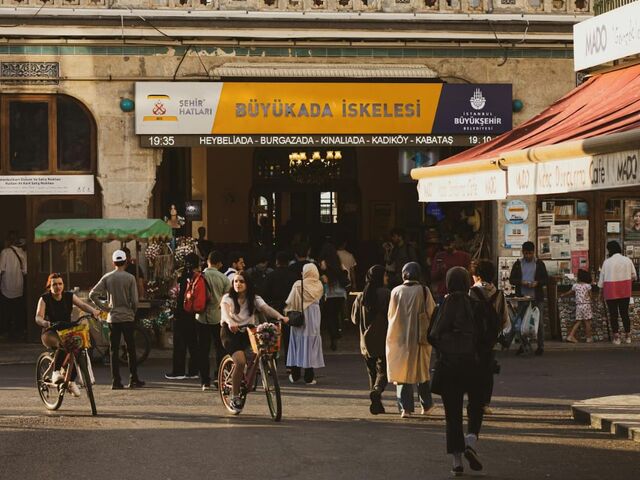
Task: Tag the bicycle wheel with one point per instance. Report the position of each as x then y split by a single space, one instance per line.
143 345
86 379
225 375
50 394
271 387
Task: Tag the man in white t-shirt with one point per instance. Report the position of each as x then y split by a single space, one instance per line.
13 268
348 262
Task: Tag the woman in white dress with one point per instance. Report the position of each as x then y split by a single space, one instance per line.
305 343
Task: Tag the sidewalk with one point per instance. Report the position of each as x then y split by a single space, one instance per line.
618 415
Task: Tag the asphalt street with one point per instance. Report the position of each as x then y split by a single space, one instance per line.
173 430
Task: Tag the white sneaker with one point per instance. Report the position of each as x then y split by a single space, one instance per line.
627 338
405 414
616 339
74 389
57 376
291 379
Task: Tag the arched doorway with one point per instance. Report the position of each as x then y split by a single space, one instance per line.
308 202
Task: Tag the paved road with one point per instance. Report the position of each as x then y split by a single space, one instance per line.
172 430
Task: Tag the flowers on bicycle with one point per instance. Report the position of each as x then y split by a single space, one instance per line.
267 334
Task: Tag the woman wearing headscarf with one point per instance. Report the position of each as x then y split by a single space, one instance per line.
305 342
456 335
369 313
410 309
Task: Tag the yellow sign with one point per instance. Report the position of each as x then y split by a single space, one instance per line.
323 108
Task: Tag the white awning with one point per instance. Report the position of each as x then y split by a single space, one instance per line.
315 70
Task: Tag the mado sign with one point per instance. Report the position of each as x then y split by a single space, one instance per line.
465 187
608 170
607 37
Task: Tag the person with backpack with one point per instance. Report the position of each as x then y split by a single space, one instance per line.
457 334
369 314
497 316
407 349
208 321
184 327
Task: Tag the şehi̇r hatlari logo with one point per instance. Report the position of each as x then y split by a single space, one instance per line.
159 110
477 100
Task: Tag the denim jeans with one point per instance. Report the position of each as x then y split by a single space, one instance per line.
404 394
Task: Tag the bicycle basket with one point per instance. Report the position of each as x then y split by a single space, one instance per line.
75 338
265 338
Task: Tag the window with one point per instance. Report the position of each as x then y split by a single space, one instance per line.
74 136
328 207
28 136
46 134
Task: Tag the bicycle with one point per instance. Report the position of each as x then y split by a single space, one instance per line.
99 332
263 359
75 342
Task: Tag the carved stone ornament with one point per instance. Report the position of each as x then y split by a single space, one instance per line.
30 73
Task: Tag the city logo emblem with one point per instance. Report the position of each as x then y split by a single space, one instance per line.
159 110
478 101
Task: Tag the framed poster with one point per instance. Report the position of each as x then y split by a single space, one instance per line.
632 220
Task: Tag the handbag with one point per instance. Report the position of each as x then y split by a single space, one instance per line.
296 318
436 378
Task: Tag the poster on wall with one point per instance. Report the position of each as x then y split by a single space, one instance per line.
552 267
515 234
516 211
579 261
579 234
505 264
560 242
546 219
632 220
544 243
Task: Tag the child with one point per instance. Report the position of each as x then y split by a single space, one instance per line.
582 290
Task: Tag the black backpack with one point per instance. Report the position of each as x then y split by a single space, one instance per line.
458 343
487 319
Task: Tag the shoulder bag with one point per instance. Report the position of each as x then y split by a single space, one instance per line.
296 317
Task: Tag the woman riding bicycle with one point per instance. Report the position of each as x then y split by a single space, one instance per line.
238 308
53 314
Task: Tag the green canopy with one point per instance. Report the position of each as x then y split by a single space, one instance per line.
102 230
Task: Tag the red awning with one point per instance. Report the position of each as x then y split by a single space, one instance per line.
604 104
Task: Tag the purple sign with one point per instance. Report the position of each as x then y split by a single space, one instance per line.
474 109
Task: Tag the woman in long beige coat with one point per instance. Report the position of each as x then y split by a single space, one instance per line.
408 351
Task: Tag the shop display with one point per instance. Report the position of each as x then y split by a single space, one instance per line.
505 264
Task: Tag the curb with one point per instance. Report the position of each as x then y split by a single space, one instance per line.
614 420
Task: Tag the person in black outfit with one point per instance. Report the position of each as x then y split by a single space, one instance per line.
455 333
335 279
275 290
301 258
204 246
369 314
54 313
184 328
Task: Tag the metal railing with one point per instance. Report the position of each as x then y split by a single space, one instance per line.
604 6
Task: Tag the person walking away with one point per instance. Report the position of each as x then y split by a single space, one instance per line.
120 290
456 334
484 290
236 260
529 276
208 323
276 289
259 272
450 256
300 259
13 269
398 256
616 276
408 353
53 313
584 313
348 262
238 309
369 314
334 277
184 328
305 343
